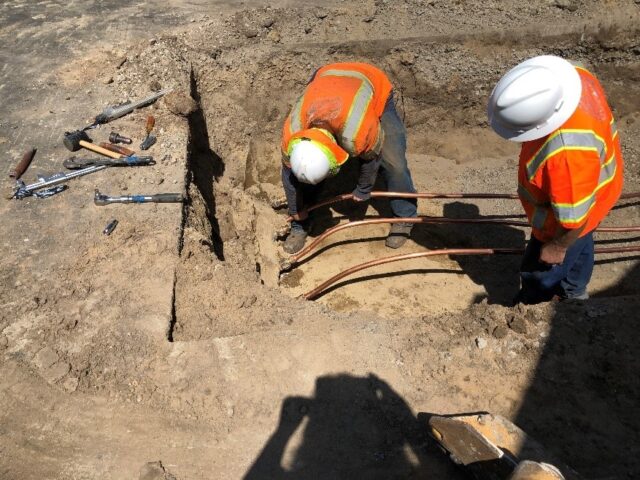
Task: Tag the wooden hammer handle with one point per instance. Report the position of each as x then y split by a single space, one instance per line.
97 149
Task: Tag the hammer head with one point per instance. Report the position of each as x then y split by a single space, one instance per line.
72 140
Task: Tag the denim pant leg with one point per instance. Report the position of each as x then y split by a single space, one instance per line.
394 166
575 282
540 282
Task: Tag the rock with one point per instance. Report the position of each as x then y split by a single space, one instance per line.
4 342
180 103
481 343
107 80
518 325
70 384
500 331
321 13
250 32
274 36
45 358
268 22
56 371
570 5
155 471
155 86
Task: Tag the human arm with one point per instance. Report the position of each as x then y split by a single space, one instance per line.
554 251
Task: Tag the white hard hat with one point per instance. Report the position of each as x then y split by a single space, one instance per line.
534 98
309 162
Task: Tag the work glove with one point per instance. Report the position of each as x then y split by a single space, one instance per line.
360 196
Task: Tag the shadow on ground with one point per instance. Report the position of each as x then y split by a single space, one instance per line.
353 427
584 399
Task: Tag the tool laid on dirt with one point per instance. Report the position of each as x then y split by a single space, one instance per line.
117 149
54 181
23 164
117 111
74 141
111 226
74 163
491 447
101 199
117 138
149 140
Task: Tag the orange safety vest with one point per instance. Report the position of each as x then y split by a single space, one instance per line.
573 176
346 99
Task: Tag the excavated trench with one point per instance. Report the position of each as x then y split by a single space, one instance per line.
229 269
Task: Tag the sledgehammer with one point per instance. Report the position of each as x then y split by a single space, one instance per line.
74 141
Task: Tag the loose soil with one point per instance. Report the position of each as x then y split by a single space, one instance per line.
179 339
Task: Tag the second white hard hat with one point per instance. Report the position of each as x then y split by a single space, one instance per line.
534 98
309 162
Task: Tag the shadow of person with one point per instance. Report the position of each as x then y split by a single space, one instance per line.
353 427
583 403
499 275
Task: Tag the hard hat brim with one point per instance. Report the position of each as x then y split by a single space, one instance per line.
569 79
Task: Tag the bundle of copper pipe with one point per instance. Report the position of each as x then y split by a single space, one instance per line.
468 251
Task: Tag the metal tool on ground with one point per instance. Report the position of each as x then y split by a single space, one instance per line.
101 199
490 447
52 183
111 226
117 148
74 141
116 111
23 164
74 163
115 137
47 186
149 140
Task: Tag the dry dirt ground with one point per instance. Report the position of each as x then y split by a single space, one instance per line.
177 340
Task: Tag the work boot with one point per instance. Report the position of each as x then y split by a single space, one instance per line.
398 234
295 241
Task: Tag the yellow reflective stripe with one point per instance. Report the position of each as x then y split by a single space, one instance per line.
614 128
566 140
349 74
296 116
607 172
355 117
574 212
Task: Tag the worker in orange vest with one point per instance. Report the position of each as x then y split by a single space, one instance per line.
347 110
570 171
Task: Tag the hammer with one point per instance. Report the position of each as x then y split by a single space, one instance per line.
74 141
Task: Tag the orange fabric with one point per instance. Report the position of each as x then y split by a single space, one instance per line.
346 99
573 176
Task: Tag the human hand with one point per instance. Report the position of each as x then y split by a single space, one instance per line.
552 253
300 216
358 196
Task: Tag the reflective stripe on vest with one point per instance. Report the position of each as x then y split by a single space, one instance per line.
614 128
358 109
574 213
296 115
540 210
607 172
567 139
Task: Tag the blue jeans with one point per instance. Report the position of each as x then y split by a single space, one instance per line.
395 170
541 282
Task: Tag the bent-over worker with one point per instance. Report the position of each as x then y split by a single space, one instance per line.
346 110
570 171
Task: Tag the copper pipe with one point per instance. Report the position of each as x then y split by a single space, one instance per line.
511 196
312 294
295 258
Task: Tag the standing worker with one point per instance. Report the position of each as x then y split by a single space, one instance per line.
570 172
346 110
